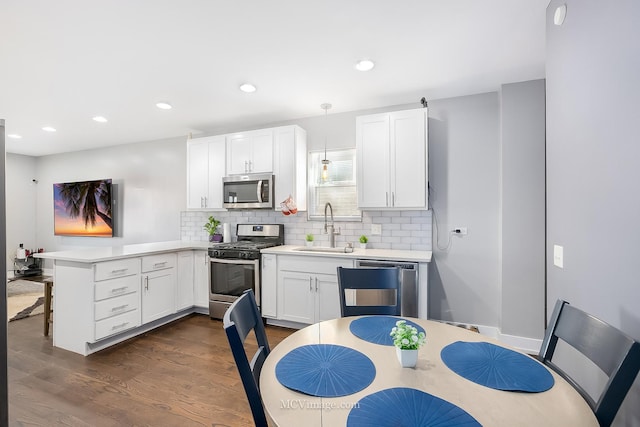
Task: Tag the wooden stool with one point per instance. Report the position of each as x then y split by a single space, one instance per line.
48 310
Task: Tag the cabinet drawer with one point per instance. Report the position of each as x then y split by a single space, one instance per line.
119 268
115 306
158 262
308 264
117 287
115 325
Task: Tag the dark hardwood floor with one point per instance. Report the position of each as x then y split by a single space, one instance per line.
181 374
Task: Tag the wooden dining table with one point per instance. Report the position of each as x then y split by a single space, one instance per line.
561 405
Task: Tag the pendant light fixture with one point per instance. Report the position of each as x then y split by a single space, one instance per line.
325 162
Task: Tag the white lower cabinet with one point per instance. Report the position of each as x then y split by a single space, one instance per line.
184 286
308 288
116 297
269 286
201 279
115 325
158 286
99 304
296 297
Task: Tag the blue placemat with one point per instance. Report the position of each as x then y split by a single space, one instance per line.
376 329
496 367
407 407
325 370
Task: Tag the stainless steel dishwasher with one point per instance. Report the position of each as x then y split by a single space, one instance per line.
408 286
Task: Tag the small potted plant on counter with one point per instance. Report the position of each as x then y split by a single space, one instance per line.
407 341
309 239
363 241
211 227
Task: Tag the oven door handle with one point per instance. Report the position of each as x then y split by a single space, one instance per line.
235 261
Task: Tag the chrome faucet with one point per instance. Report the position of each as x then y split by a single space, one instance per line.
330 228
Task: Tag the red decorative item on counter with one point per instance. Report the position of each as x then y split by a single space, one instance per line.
289 206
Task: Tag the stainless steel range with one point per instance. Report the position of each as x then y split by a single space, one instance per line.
235 267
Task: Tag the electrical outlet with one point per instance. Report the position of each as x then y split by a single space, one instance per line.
462 231
376 229
558 256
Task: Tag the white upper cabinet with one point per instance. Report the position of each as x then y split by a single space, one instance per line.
290 165
250 152
392 158
205 170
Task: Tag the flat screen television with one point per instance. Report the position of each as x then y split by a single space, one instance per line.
83 208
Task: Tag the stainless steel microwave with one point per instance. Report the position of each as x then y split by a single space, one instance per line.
253 191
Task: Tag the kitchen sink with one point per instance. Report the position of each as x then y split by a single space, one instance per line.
343 250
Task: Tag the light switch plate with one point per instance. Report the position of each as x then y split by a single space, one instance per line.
376 229
558 256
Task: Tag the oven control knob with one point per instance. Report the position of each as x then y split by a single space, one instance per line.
243 254
216 254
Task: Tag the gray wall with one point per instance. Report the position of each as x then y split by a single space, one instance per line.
593 173
22 206
464 173
523 209
151 183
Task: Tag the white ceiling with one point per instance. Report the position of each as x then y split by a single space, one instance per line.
63 62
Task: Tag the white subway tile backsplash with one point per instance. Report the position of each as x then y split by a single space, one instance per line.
400 229
400 220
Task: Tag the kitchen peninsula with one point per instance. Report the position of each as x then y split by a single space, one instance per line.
103 296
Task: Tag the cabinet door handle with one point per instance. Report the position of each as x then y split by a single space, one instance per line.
159 264
310 284
120 271
316 284
206 202
250 166
146 283
245 167
386 198
120 307
118 290
393 198
120 326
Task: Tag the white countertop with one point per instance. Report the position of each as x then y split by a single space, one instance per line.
381 254
109 253
90 255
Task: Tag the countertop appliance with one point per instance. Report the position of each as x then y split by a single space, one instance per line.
253 191
235 267
408 286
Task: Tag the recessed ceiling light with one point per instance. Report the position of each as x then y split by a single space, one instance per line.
49 129
164 106
560 14
14 136
365 65
100 119
248 88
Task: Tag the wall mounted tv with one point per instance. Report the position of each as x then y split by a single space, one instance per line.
83 208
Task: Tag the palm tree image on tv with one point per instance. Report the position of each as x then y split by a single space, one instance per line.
83 208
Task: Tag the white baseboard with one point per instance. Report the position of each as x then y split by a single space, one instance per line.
527 345
524 344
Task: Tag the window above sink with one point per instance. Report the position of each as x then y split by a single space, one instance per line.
339 188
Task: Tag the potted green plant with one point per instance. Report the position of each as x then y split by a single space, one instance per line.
407 341
211 226
309 239
363 241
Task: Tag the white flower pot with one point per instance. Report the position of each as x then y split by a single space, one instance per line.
363 246
309 244
407 358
